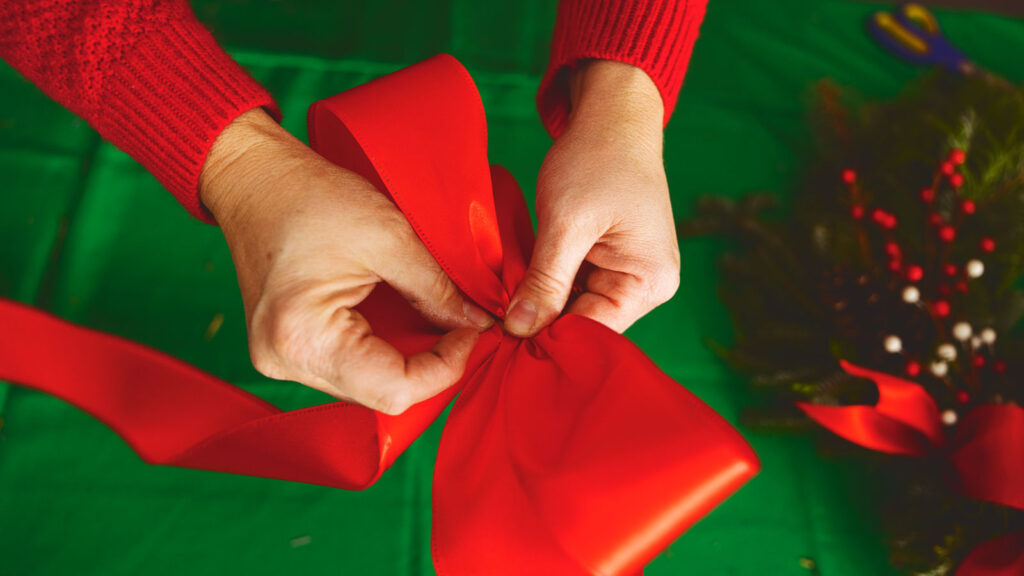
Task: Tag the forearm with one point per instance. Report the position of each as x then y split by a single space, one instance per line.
145 74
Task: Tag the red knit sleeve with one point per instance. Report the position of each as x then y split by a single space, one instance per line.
656 36
144 73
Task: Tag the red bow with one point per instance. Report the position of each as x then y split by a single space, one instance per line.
987 452
568 453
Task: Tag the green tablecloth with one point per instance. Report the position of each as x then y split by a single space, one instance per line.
89 235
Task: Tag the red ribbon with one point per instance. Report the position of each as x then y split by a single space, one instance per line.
987 452
568 453
1003 556
904 421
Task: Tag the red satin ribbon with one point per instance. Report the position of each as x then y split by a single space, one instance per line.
989 463
987 452
904 421
568 453
1003 556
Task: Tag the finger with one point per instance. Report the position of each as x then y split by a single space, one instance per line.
444 364
545 288
612 298
376 375
339 354
618 299
412 271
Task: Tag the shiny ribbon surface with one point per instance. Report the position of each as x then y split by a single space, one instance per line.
986 452
567 453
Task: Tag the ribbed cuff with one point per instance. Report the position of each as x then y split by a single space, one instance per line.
169 98
656 36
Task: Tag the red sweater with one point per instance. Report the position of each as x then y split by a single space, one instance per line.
152 80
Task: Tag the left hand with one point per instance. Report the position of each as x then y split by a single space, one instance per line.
603 204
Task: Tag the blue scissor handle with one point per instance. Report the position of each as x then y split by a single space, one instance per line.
912 32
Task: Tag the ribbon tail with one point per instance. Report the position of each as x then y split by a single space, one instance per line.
904 421
865 426
174 414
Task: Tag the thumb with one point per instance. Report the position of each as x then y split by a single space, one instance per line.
414 274
545 288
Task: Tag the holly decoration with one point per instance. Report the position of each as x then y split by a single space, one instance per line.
903 252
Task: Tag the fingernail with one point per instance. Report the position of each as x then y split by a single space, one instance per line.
520 318
477 316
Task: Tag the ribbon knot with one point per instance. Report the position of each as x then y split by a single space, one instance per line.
568 453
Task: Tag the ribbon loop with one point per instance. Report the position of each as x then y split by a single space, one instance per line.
410 132
904 421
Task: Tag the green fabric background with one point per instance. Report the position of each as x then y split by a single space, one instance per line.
89 235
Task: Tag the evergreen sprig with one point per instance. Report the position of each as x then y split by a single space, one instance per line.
830 279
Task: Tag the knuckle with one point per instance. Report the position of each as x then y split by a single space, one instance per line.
442 288
265 363
393 403
664 279
394 234
284 338
666 286
544 284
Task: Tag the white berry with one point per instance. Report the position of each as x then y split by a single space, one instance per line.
948 417
962 331
946 352
939 369
893 344
975 268
911 294
988 336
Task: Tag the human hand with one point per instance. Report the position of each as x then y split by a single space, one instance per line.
603 203
310 241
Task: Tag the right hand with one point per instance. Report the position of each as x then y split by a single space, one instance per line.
310 241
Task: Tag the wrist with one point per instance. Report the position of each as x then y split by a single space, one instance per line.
232 167
611 93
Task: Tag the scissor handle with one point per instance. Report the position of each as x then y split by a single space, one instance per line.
913 33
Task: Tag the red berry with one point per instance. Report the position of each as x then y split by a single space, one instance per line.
883 218
957 156
948 169
961 286
962 397
935 218
968 206
956 180
927 194
913 369
979 361
857 211
999 366
988 245
849 176
941 308
892 249
895 265
915 273
949 269
947 233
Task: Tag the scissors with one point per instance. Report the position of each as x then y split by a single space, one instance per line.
913 33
